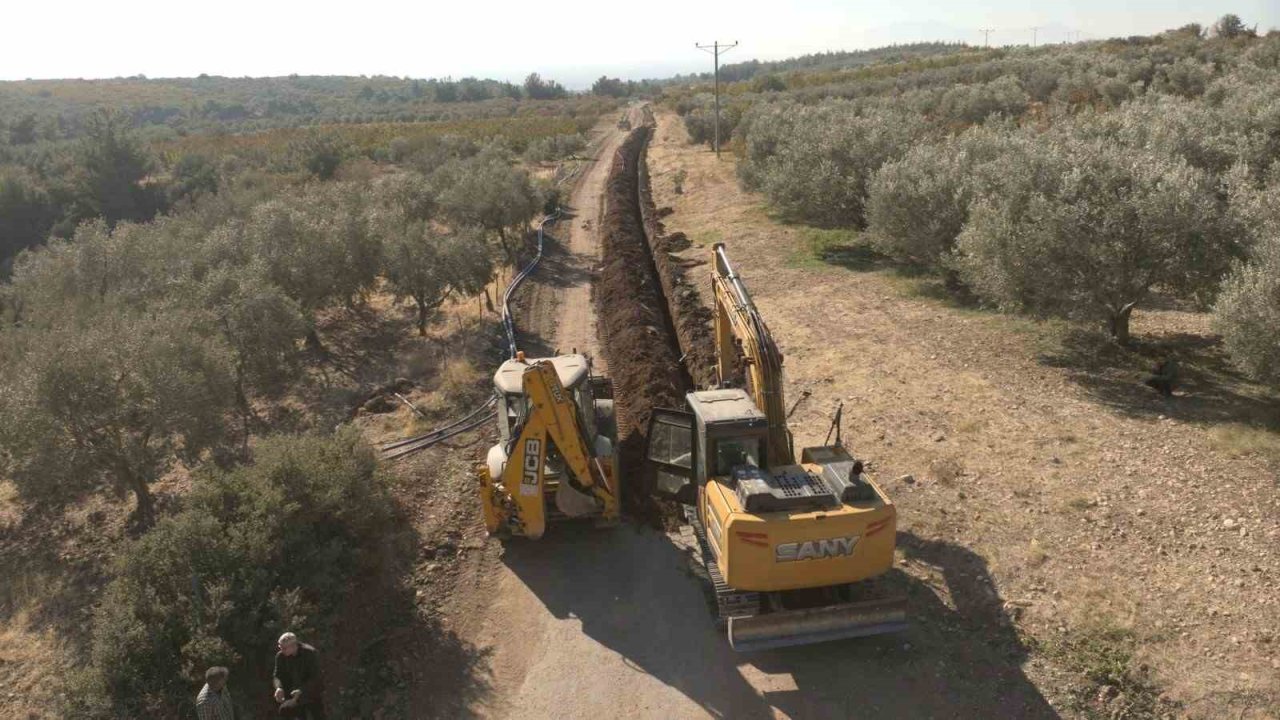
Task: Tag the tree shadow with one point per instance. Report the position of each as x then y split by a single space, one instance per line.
1210 389
634 593
561 268
49 566
390 655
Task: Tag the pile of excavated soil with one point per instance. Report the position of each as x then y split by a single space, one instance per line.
636 334
690 317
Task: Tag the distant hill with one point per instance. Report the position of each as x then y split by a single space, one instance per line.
837 60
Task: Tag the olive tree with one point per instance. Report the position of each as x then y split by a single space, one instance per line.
1094 239
316 245
814 162
916 206
260 326
429 265
1247 313
112 403
489 192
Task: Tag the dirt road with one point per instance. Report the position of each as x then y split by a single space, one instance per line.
555 311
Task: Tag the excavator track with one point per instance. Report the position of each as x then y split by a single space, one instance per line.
729 603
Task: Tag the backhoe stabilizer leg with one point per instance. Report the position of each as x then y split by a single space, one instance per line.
491 505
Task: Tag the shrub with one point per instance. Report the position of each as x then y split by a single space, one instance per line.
814 163
319 153
916 206
1247 313
267 547
555 147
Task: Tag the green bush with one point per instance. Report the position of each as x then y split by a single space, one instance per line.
1247 313
267 547
1091 233
814 163
917 206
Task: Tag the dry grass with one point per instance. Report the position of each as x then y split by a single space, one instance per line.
1239 440
31 667
946 470
1036 555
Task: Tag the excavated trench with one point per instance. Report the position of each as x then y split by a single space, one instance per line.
654 332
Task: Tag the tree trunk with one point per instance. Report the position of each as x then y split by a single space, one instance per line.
313 341
146 512
488 301
1119 324
506 249
422 318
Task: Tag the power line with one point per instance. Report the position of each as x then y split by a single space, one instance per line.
717 49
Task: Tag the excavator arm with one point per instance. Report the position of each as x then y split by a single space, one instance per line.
552 420
741 337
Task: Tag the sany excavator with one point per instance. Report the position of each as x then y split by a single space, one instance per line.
789 547
555 457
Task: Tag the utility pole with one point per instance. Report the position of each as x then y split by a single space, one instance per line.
1033 36
986 36
716 49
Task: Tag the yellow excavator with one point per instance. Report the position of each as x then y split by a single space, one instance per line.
789 548
555 457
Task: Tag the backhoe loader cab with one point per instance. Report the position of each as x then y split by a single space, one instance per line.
513 405
555 455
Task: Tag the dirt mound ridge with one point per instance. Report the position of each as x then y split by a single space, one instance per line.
692 320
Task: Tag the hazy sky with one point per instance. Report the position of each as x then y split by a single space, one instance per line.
570 41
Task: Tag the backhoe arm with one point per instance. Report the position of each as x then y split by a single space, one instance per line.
552 418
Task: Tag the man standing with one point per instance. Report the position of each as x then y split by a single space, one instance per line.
214 700
297 679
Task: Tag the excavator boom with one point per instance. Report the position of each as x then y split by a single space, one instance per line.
742 336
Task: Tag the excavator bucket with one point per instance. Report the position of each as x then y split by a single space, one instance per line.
814 625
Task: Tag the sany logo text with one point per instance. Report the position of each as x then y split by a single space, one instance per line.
815 549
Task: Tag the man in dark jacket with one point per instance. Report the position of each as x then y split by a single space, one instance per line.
299 689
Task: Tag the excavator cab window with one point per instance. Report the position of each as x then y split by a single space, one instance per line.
586 408
671 451
731 453
511 411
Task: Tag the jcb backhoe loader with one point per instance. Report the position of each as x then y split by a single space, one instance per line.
555 457
788 547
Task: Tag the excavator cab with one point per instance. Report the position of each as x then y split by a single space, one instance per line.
723 426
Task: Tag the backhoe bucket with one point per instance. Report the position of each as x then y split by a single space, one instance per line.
814 625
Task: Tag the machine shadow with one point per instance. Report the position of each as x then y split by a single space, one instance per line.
634 592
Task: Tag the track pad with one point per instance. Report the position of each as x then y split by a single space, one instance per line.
573 503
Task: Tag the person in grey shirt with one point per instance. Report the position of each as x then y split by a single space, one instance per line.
214 700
